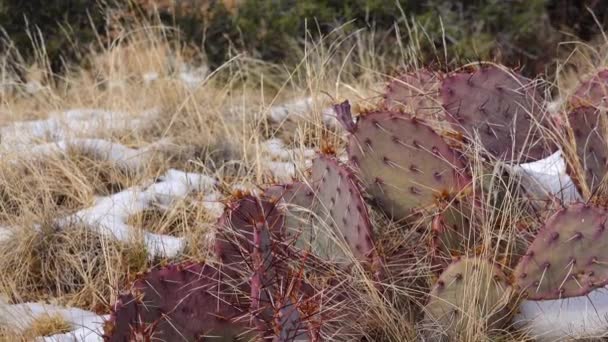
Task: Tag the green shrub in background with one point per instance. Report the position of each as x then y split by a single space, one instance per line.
515 32
66 27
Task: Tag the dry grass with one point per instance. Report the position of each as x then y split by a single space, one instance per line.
47 325
215 129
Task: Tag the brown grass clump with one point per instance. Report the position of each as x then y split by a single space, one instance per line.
185 217
47 325
71 265
49 183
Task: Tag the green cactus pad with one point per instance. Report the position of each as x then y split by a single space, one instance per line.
453 232
404 164
470 293
593 92
297 199
332 200
340 205
184 302
414 92
568 256
589 128
499 107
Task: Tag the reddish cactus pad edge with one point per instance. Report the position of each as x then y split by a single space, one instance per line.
488 103
404 164
568 257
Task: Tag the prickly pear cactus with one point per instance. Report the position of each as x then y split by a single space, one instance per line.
593 92
414 92
469 298
453 232
404 164
589 129
289 324
235 240
568 256
296 201
184 302
331 208
500 108
339 204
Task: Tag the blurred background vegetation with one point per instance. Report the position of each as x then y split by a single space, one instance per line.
520 33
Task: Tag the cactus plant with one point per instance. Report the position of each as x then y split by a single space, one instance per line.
471 293
279 252
178 302
589 129
501 109
235 241
414 92
404 164
593 92
332 200
566 258
453 232
340 205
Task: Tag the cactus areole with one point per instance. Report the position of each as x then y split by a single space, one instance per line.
568 257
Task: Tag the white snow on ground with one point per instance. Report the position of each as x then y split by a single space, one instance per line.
71 123
192 78
150 77
87 326
548 177
565 319
276 148
283 163
300 108
99 149
33 87
109 214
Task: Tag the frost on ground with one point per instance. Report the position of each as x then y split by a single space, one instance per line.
566 319
86 326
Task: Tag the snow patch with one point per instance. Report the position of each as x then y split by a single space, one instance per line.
548 177
109 214
565 319
99 149
75 122
87 326
298 109
150 77
192 78
282 162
